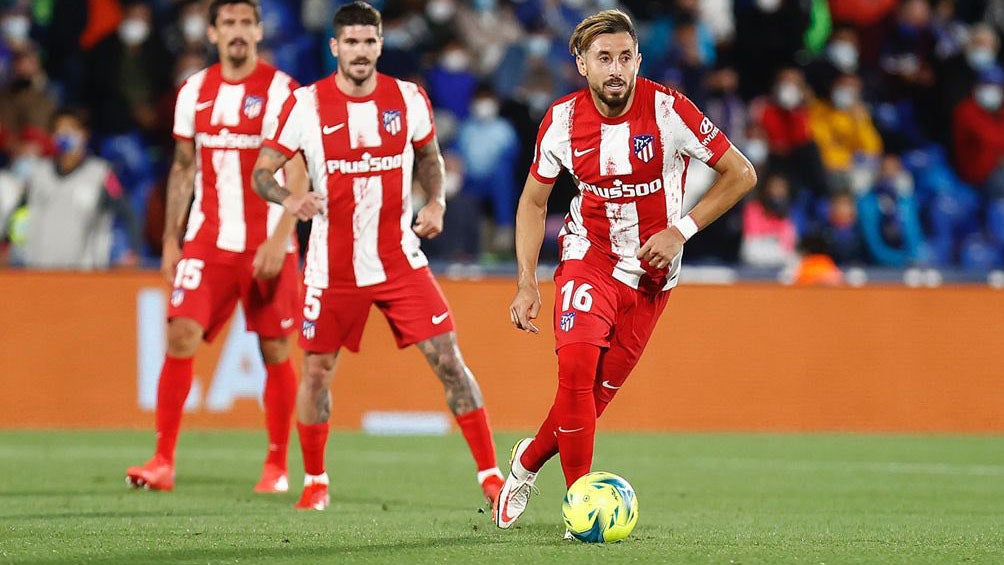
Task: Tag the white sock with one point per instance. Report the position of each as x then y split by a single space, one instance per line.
321 479
493 472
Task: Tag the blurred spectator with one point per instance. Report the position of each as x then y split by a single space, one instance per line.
724 106
489 27
26 102
686 57
844 132
978 131
816 267
839 230
785 118
461 237
890 222
127 72
768 35
188 33
11 196
769 236
15 36
908 63
488 147
840 57
451 81
958 74
440 18
70 203
950 34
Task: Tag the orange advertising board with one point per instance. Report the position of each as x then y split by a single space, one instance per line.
84 350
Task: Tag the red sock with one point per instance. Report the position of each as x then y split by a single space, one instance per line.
575 408
313 439
544 445
280 400
613 372
172 390
477 432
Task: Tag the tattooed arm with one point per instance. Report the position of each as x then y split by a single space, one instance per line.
429 170
180 185
303 205
271 254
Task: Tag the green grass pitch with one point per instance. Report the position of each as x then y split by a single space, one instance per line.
706 498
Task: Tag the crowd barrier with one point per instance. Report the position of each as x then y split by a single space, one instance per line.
82 350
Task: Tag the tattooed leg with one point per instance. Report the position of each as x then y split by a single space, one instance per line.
443 355
313 398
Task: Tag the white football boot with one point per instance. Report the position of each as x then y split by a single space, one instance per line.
517 489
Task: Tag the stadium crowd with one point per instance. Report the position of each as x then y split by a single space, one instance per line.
877 126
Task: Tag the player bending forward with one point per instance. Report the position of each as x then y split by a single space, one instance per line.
360 132
627 142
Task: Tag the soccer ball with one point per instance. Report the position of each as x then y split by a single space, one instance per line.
600 507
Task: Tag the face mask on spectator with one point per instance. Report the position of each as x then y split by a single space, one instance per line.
788 95
440 10
768 6
452 183
193 27
133 31
68 142
980 58
844 55
537 46
844 97
756 151
16 29
485 109
455 61
988 96
484 5
903 184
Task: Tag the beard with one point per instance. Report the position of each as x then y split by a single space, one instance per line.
358 80
615 101
238 60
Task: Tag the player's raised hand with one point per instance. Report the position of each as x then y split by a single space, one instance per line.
662 247
525 307
169 259
429 222
268 259
304 206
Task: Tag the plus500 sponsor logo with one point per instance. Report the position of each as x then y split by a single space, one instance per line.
367 164
624 190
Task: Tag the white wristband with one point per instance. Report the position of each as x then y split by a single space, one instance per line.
687 226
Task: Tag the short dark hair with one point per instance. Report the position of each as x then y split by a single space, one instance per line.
214 9
357 13
75 113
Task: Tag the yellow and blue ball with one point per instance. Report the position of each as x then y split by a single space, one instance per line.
600 507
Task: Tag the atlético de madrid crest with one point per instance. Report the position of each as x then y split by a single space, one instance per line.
644 148
392 121
253 106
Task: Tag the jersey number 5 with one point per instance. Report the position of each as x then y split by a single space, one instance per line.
578 298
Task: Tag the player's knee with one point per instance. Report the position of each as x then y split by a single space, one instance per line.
183 337
317 372
274 350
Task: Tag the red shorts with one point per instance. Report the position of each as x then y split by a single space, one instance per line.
209 284
590 306
413 304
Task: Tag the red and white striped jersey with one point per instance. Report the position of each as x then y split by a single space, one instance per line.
630 171
226 121
359 154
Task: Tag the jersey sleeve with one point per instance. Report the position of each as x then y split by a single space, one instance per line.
696 135
279 92
546 164
184 108
420 116
285 133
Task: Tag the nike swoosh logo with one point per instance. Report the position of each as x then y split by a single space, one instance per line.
504 514
328 130
203 105
286 324
438 319
579 153
606 384
564 431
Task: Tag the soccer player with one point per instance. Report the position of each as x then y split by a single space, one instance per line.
237 247
361 132
627 142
